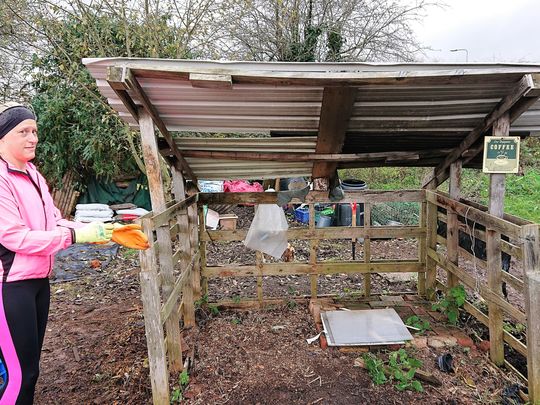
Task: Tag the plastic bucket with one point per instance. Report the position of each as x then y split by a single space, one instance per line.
344 211
353 185
324 221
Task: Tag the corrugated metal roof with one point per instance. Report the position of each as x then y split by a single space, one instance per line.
407 106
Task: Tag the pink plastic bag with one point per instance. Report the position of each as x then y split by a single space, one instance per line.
241 186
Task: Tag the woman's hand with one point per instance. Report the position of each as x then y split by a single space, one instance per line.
94 232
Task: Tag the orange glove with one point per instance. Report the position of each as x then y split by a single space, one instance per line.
130 236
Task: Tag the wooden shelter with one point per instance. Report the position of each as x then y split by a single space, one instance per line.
311 119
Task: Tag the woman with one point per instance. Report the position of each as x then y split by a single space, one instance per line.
31 232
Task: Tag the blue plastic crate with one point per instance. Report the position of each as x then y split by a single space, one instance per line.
302 215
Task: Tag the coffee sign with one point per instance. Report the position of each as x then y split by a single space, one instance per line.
501 154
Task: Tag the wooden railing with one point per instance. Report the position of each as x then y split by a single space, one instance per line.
522 243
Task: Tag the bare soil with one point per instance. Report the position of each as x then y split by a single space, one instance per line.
95 347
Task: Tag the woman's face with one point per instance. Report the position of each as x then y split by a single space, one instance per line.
18 146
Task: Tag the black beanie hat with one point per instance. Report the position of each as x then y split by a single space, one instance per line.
13 116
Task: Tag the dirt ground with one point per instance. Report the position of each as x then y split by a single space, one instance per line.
95 347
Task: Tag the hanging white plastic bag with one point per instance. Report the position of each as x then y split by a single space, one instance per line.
268 231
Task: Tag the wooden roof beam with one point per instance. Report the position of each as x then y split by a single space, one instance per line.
123 80
336 110
518 100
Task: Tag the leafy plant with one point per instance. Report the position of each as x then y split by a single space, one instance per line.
214 310
177 394
450 304
236 299
418 323
401 368
201 302
517 329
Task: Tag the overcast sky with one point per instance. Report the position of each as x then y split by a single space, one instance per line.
491 31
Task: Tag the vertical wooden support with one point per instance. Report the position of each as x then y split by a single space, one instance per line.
501 127
431 265
193 224
179 192
202 250
157 357
157 197
259 263
530 236
367 248
452 224
313 244
422 249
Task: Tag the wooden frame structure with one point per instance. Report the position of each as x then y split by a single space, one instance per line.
404 115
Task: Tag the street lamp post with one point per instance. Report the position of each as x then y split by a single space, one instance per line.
464 50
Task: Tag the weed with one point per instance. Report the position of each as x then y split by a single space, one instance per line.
517 329
291 304
236 299
418 323
177 395
236 321
214 310
201 301
400 368
450 304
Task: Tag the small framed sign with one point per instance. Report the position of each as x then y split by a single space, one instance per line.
501 154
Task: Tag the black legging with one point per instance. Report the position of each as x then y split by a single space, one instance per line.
24 308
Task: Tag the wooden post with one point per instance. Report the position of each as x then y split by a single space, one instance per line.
157 196
501 127
157 358
422 249
452 224
530 235
367 248
202 250
193 223
259 262
313 244
179 192
431 264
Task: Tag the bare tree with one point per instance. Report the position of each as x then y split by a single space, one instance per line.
320 30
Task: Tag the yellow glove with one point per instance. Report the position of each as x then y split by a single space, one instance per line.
94 232
130 236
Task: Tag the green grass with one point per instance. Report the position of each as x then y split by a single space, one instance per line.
522 192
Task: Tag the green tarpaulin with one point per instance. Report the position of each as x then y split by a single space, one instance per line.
109 193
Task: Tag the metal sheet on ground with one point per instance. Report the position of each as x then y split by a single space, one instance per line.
364 327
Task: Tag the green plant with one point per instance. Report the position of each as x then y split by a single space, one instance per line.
418 323
236 321
177 394
201 301
450 304
214 310
401 368
236 299
291 304
517 329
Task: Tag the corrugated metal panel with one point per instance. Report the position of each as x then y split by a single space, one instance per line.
439 108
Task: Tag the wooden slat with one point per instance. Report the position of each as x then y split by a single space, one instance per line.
367 249
157 197
372 196
519 91
531 266
473 214
336 110
323 233
164 217
313 246
470 282
452 229
279 269
179 285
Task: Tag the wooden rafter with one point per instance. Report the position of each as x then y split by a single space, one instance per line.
336 110
123 79
516 102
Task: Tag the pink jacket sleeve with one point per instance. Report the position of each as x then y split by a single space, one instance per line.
16 236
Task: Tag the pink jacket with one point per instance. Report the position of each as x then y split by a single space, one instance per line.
31 227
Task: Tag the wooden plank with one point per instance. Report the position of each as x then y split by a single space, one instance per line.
422 249
157 360
470 282
473 214
202 250
157 197
501 127
373 196
181 282
165 216
431 243
280 269
332 232
124 76
367 249
520 90
531 266
452 229
259 258
336 110
206 81
194 242
313 246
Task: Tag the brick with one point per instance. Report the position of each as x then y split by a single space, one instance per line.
323 342
465 342
419 342
483 346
